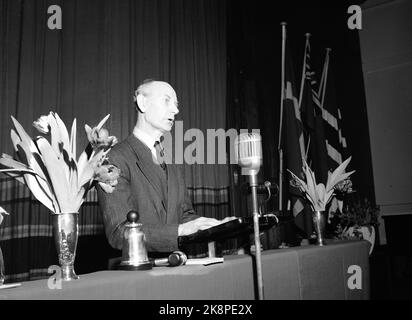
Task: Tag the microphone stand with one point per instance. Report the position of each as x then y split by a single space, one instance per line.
253 185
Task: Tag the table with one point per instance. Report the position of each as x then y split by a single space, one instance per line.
308 272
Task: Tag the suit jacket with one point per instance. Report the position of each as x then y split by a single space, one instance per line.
137 191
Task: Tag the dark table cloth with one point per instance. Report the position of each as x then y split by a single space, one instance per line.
308 272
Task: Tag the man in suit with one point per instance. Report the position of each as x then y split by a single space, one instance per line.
146 184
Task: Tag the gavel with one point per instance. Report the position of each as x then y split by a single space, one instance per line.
176 258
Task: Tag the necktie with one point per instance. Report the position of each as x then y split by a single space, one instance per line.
160 155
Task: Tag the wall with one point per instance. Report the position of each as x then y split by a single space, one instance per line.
386 46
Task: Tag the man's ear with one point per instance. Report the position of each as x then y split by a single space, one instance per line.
141 103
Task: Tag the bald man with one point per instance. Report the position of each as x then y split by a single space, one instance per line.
147 185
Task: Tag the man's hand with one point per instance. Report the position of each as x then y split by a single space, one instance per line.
201 223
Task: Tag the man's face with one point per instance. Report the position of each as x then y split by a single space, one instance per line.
162 106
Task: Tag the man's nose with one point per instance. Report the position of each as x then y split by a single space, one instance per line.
175 109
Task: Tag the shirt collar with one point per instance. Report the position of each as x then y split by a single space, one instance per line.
144 137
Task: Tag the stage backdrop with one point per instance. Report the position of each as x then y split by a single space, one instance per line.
90 68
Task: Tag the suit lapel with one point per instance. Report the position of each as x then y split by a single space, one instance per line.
172 190
138 148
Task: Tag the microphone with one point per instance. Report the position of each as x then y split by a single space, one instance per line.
176 258
248 152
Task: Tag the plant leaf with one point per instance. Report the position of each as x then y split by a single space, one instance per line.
18 170
85 171
64 134
57 175
55 138
311 182
73 140
60 143
338 171
24 137
102 122
30 151
37 187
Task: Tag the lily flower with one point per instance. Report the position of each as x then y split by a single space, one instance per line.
2 212
42 124
107 174
99 137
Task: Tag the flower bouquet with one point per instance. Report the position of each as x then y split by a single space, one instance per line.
320 195
50 169
56 178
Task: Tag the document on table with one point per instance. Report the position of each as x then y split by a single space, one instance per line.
11 285
205 261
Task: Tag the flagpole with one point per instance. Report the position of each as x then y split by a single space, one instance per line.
325 70
282 96
302 81
322 79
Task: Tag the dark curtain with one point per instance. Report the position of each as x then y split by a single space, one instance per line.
91 68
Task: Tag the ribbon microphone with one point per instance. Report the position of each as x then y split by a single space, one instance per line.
248 151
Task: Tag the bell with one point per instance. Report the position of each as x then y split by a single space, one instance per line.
134 254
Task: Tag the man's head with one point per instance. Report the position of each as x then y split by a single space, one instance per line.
157 106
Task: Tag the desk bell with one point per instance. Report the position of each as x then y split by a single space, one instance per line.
134 253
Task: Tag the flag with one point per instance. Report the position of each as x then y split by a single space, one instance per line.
335 141
294 148
312 119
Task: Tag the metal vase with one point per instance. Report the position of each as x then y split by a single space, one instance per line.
66 234
319 223
2 276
